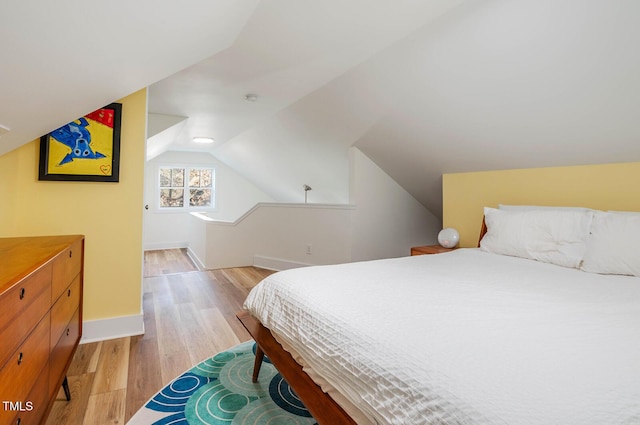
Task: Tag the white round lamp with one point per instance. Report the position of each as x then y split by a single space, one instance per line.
448 237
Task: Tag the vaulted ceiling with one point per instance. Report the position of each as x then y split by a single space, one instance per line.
423 87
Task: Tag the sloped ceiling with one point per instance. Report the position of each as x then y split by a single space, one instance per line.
503 84
423 87
484 85
62 59
294 133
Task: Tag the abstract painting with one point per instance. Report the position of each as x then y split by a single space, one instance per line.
87 149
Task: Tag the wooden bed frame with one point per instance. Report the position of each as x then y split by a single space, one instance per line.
320 404
323 408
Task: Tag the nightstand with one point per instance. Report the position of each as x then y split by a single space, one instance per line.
429 249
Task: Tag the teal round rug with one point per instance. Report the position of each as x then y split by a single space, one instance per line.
219 391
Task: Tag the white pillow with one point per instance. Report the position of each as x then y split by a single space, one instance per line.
552 236
539 207
613 247
626 212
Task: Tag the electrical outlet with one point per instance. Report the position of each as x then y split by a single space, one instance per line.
309 249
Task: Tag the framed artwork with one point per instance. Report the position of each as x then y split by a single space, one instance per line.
87 149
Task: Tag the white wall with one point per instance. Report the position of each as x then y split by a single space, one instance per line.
234 196
387 220
276 236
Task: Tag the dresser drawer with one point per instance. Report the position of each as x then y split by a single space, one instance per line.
40 322
66 266
19 374
62 352
21 308
62 311
36 405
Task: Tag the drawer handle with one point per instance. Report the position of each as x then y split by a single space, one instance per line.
22 292
68 331
68 292
70 254
20 357
19 421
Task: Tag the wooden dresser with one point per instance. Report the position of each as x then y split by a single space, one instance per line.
40 322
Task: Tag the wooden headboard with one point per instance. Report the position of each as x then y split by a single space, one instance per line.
483 231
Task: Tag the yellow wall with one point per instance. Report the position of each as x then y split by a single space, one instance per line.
603 187
9 169
108 214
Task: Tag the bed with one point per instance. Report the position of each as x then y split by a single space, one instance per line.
540 325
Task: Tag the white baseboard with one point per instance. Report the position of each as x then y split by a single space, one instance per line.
199 264
113 327
276 263
164 245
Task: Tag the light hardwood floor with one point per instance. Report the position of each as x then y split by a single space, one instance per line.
188 317
167 261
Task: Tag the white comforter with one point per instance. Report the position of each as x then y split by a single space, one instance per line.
465 337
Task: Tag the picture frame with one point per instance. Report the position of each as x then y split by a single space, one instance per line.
87 149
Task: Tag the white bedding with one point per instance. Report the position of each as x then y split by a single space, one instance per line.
466 337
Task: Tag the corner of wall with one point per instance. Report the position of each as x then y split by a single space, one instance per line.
387 220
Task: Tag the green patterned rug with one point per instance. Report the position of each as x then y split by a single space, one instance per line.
219 391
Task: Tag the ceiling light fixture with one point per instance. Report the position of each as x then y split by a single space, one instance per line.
250 97
203 139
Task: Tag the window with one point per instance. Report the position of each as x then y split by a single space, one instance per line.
186 188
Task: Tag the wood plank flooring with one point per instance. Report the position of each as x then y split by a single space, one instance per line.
167 261
188 317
